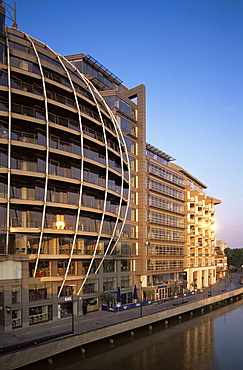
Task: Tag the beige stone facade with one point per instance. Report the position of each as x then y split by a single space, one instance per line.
200 227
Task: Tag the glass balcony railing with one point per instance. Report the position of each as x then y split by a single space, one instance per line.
34 89
27 111
3 131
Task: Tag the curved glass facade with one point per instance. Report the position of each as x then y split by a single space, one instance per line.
64 167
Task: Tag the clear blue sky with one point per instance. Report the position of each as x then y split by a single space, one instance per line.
189 54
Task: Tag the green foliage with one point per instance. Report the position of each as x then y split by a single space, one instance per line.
234 256
108 298
176 289
149 294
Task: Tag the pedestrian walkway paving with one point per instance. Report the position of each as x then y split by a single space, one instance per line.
100 319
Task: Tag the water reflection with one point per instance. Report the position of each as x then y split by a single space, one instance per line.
211 341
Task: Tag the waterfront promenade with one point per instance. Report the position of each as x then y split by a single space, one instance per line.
102 324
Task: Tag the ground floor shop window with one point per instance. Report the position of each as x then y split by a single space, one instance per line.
90 305
66 309
16 319
126 298
39 314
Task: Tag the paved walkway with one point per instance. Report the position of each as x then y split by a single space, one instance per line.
100 319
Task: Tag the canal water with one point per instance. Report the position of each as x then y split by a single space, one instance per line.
206 342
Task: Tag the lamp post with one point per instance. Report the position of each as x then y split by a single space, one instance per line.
141 307
225 282
210 286
182 299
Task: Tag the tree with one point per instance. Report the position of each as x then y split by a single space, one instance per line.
176 289
234 256
108 298
148 294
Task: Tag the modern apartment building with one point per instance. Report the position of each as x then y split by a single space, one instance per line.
200 222
86 205
165 228
65 187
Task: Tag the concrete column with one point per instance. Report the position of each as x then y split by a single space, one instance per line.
199 279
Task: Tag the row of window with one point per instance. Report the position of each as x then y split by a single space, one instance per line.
31 219
54 168
164 174
165 204
165 234
59 268
56 143
164 219
60 245
155 265
165 250
40 139
165 189
32 192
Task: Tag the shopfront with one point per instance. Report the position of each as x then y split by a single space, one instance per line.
67 307
39 314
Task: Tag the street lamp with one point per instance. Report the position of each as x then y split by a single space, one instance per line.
210 286
141 307
225 282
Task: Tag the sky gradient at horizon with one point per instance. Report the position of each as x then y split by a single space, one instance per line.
189 55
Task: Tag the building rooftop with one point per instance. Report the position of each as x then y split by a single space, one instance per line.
96 65
157 151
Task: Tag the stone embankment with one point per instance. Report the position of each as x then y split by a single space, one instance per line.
26 347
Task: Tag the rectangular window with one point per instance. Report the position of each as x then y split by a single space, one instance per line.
16 294
91 286
126 281
39 291
109 283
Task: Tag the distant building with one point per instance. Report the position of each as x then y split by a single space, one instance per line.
221 258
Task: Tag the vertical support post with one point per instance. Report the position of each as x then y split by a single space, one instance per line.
72 313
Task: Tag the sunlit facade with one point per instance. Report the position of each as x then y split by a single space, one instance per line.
64 186
165 225
200 223
86 204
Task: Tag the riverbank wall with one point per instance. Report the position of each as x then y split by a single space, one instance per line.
51 347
